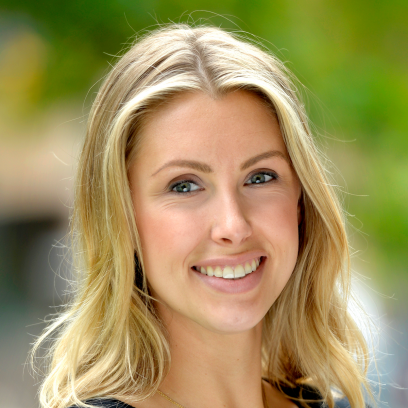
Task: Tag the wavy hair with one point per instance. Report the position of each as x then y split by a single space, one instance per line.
109 341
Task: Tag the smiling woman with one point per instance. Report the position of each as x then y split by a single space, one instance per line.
213 259
228 199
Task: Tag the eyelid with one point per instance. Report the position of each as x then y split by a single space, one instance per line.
189 178
267 172
175 183
192 178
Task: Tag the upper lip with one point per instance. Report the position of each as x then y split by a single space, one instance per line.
231 260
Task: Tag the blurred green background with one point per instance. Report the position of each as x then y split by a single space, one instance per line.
352 57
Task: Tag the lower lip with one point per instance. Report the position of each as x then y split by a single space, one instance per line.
240 285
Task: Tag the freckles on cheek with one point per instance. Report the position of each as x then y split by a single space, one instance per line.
167 231
280 220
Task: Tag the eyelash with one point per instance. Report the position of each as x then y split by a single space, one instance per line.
267 173
271 174
177 183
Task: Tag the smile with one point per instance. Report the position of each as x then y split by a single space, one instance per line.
231 272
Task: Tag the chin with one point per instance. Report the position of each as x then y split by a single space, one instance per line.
232 323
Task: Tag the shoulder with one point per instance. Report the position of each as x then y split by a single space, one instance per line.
344 403
104 403
310 393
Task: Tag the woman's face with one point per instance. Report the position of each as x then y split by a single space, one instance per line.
214 194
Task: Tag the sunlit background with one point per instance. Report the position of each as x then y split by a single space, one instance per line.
352 57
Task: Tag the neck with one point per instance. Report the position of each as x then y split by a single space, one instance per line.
225 374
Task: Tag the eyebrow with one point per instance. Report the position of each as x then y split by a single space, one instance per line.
263 156
205 168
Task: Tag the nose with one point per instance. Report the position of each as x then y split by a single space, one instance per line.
230 226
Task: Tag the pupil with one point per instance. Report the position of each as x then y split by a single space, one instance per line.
184 187
259 178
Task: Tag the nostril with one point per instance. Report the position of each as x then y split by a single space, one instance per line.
227 240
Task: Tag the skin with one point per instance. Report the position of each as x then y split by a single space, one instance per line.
215 337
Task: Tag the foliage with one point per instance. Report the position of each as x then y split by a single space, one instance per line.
352 57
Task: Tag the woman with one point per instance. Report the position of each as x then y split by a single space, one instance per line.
214 260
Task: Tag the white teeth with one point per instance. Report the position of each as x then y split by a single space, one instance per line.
239 271
218 272
248 268
228 273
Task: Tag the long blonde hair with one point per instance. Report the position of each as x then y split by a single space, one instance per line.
109 341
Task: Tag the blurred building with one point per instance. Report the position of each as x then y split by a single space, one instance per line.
353 57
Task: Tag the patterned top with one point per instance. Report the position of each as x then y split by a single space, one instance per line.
308 393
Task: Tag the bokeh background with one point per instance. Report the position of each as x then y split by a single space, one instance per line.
352 57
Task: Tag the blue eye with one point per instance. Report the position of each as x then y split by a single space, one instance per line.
184 186
261 178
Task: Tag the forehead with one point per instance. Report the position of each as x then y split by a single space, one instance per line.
197 124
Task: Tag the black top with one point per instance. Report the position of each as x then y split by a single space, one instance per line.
308 393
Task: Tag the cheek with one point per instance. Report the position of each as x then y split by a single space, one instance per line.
167 235
278 219
277 222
